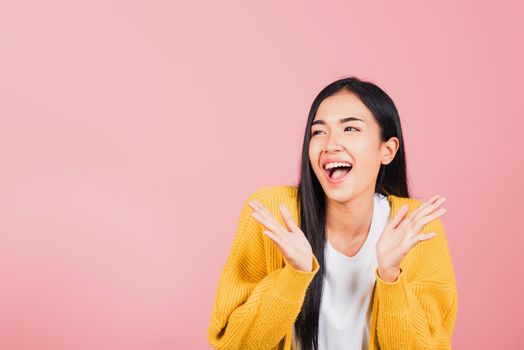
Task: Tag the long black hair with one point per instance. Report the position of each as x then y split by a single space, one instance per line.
392 179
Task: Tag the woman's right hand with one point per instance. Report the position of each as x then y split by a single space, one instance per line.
291 241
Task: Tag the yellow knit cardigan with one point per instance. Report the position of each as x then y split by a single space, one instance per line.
259 296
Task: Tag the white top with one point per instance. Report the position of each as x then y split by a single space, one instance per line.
345 309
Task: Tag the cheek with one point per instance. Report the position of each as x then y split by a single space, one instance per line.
365 154
360 151
314 155
313 152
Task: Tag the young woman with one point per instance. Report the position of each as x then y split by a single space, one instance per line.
346 260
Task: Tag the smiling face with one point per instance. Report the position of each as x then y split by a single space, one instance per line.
345 130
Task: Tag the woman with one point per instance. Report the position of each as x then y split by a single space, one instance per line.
346 260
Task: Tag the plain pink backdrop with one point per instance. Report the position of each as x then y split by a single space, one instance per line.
131 132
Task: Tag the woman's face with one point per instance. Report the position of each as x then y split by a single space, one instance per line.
345 130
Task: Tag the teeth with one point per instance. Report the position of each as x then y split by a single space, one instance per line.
336 164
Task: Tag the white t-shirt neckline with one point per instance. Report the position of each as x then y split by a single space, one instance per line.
345 310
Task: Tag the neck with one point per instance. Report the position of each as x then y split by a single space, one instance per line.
351 219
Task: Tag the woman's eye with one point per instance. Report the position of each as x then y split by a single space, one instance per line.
313 133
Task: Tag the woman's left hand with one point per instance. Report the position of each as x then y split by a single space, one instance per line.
401 234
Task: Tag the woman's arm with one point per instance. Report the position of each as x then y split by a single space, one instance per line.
419 311
254 309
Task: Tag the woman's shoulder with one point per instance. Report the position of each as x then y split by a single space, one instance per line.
398 201
275 192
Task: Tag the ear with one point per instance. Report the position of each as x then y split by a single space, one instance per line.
388 149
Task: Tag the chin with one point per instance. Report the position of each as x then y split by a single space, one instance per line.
339 194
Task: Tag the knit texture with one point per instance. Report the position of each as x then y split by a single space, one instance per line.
259 295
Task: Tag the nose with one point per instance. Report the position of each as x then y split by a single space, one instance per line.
332 144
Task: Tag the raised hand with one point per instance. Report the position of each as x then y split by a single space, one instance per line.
291 241
401 234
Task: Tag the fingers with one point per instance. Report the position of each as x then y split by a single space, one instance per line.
258 207
288 219
270 224
427 208
403 210
273 237
266 218
427 214
424 205
422 211
422 237
428 218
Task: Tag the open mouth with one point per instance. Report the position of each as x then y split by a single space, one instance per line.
337 174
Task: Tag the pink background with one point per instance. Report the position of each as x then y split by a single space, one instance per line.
131 132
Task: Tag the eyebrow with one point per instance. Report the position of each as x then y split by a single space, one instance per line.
341 121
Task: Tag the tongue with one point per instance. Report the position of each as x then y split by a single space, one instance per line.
339 173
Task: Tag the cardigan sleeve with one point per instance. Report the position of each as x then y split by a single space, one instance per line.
419 312
254 309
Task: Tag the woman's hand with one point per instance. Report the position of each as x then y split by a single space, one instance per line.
401 234
291 241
